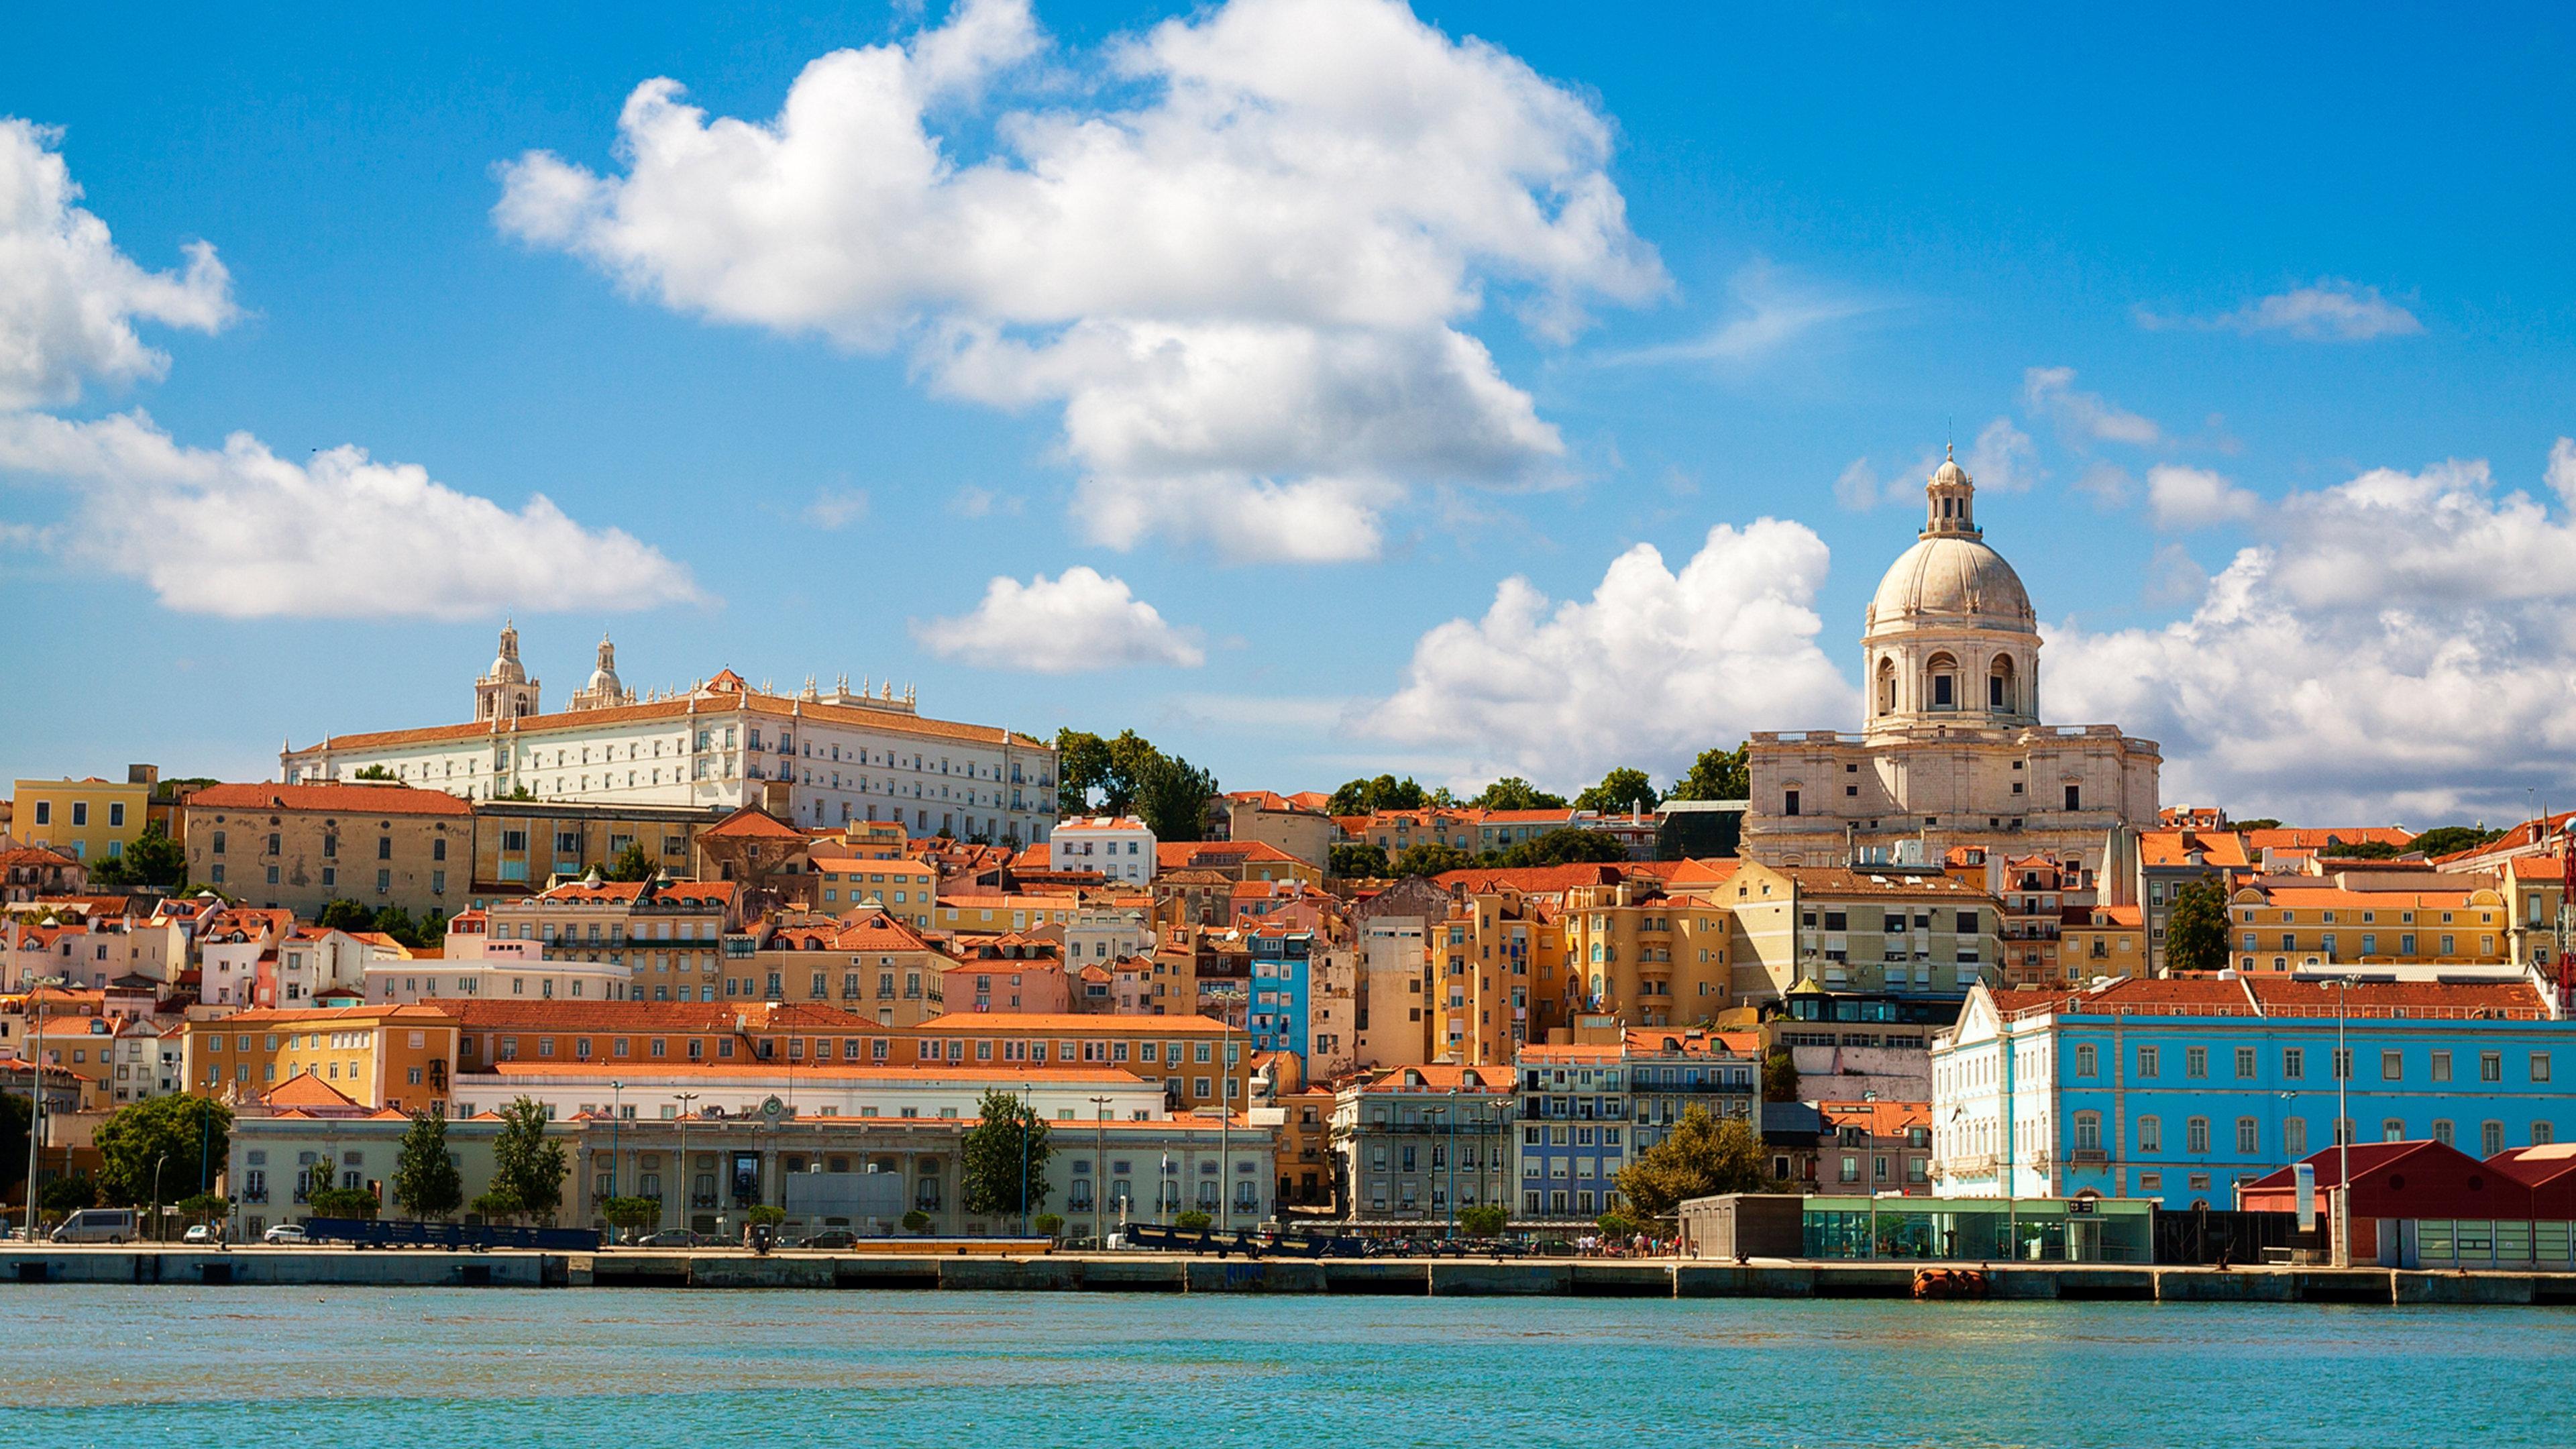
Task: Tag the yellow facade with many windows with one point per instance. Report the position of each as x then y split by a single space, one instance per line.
2277 930
401 1057
89 820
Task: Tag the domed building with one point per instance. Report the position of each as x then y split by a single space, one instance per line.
604 691
1952 751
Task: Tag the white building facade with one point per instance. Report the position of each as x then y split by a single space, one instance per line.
817 757
1120 847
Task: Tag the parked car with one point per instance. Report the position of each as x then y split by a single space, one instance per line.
831 1238
198 1233
287 1233
671 1238
97 1225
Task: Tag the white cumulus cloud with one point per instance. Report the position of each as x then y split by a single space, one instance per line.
1656 666
1079 620
2183 498
243 533
2398 647
1237 260
2331 310
2003 459
68 298
238 531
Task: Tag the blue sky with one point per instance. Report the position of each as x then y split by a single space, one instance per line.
2190 278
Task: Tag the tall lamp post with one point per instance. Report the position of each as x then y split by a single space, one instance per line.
1028 1121
1100 1168
616 1092
2343 1127
685 1187
35 987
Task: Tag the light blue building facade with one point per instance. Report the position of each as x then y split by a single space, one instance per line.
1282 970
2183 1089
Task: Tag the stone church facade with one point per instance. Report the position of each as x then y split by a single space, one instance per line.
1953 751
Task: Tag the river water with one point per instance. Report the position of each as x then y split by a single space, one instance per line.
632 1368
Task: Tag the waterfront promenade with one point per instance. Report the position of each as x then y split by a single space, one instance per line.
968 1268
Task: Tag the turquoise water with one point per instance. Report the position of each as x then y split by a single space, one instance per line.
636 1368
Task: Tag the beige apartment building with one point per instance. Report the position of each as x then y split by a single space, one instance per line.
1873 929
524 845
300 847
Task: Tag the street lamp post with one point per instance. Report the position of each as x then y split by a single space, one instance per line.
2343 1126
157 1164
35 986
1028 1120
684 1098
1100 1169
616 1092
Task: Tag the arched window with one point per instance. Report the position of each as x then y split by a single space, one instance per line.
1886 686
2001 695
1941 679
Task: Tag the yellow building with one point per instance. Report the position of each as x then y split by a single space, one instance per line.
2276 930
521 845
89 820
853 870
993 915
1650 958
2534 886
2101 941
1865 928
401 1057
1189 1056
1496 961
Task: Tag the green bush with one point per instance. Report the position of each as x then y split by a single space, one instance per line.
1193 1220
1484 1221
916 1221
1048 1225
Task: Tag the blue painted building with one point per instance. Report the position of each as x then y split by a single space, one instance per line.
1282 969
2181 1089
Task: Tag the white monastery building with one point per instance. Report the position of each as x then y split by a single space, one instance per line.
815 757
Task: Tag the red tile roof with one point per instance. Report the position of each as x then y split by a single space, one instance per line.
337 799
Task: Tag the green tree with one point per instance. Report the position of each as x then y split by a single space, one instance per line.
630 864
1433 858
66 1195
1485 1220
2447 839
1618 1225
204 1207
1701 1157
154 859
1128 776
17 1114
1514 793
1565 847
1047 1225
396 922
343 1202
497 1205
1359 860
1007 1147
1618 792
2363 850
426 1184
193 1133
1716 775
2263 824
339 915
916 1221
765 1214
1780 1076
2196 928
1193 1221
374 772
632 1213
1361 797
525 1163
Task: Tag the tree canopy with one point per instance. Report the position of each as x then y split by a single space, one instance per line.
1620 791
2196 928
1716 775
1514 793
1564 847
426 1184
1129 776
1359 860
154 860
2448 839
1362 797
1005 1151
2363 850
631 864
1433 858
527 1167
193 1133
1701 1157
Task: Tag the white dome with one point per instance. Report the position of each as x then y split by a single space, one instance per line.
1952 577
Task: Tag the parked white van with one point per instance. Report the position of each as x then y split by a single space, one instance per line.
97 1225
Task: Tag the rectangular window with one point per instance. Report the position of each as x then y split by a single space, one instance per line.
2340 1064
2148 1061
2294 1062
2249 1136
2392 1066
2294 1137
2086 1063
2491 1069
2540 1066
2244 1064
2195 1062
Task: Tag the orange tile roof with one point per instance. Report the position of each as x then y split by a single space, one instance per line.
305 1090
2222 848
1878 1119
751 823
1445 1077
423 1013
355 798
2317 837
781 1069
1092 1023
